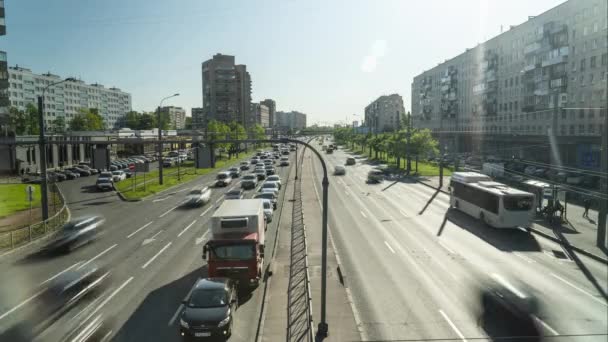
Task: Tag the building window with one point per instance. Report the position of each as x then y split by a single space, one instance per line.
581 129
583 64
585 31
563 130
582 78
571 129
594 44
581 113
592 62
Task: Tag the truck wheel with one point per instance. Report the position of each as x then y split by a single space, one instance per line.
456 204
482 218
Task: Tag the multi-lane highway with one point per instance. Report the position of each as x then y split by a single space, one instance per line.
153 251
415 268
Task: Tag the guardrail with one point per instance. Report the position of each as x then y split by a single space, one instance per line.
299 301
19 237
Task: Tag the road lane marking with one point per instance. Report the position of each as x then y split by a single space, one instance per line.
160 199
204 212
185 229
168 211
403 213
453 326
389 247
22 304
182 190
218 200
114 293
60 273
152 239
446 247
202 238
579 289
547 326
346 193
521 256
362 213
156 256
97 256
508 285
137 231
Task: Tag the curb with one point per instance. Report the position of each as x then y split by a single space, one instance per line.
553 238
122 197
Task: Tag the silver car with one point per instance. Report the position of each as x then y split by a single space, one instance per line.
198 197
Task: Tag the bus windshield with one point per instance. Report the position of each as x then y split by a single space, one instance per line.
518 203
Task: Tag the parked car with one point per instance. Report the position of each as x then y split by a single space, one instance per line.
244 165
235 172
198 197
69 174
55 176
339 170
81 172
75 233
274 178
351 161
118 175
90 169
249 181
234 194
103 184
223 179
269 196
208 309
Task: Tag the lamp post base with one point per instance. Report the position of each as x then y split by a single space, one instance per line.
322 331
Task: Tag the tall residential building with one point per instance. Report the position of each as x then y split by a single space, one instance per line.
384 113
65 99
4 98
261 114
177 116
226 90
541 83
272 109
290 120
198 118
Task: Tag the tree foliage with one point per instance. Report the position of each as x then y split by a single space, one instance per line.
87 120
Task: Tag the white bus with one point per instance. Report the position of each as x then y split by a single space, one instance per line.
495 204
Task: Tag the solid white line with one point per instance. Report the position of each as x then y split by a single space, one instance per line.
578 288
97 256
168 211
182 190
446 247
219 199
547 326
180 307
183 231
201 239
109 297
362 213
60 273
389 247
529 260
453 326
156 256
403 213
204 212
135 232
22 304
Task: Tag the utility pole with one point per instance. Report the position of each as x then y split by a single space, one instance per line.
407 146
160 147
441 150
42 147
603 209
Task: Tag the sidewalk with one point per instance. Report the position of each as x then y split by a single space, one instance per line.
578 231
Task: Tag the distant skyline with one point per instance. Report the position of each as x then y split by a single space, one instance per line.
326 59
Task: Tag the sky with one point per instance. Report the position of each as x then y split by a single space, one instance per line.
328 59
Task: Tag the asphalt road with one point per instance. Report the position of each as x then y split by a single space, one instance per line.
153 250
414 268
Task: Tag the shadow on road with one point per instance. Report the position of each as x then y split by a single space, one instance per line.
428 202
109 195
150 321
508 240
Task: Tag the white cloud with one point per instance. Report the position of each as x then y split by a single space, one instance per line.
378 50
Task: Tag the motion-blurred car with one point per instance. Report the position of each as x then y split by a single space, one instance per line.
269 196
375 176
198 197
235 172
339 170
104 184
223 179
208 309
268 212
509 309
249 181
274 178
234 194
351 161
75 233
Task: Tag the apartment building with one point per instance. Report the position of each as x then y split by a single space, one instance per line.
290 120
177 116
226 90
198 118
260 114
65 99
4 98
272 110
384 113
539 86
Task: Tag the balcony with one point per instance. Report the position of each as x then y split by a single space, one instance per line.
532 47
529 67
555 60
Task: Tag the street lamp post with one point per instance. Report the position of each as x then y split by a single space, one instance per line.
42 147
160 137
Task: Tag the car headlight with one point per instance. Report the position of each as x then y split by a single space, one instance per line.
183 323
224 321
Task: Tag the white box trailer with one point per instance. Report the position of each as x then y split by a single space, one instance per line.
244 216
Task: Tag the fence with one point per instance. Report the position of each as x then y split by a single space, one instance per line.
299 302
22 236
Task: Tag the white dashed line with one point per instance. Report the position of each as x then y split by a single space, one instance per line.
362 213
97 256
168 211
579 289
137 231
453 326
445 247
22 304
156 255
547 326
204 212
185 229
219 199
60 273
389 247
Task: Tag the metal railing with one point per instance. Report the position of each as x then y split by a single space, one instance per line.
299 299
25 235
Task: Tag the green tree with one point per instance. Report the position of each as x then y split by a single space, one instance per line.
423 143
147 121
132 120
31 116
87 120
17 120
78 123
58 125
188 124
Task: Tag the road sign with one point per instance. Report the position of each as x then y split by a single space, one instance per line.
29 190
